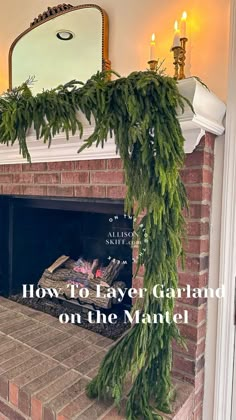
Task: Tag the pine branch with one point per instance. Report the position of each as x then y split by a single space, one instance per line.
140 110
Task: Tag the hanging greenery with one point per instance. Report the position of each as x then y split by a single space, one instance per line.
140 110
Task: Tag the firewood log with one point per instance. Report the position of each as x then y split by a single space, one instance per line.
112 270
92 299
58 263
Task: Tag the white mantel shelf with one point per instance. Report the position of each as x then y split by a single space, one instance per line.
208 117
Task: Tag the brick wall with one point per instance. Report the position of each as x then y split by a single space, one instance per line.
198 178
94 178
105 179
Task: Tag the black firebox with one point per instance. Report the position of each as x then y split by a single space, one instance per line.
35 231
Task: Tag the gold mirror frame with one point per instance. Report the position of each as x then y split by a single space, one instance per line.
52 13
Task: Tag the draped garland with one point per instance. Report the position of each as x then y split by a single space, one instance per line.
141 112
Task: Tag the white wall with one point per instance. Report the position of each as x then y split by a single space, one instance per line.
131 24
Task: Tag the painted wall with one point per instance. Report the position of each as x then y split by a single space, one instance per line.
131 24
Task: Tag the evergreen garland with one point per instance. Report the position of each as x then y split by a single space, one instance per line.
140 111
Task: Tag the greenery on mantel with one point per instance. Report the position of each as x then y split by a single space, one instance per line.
141 112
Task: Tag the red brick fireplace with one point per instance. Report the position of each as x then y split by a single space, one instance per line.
105 179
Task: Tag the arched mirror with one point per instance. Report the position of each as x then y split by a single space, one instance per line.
64 43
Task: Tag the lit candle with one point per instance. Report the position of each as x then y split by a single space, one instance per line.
153 48
176 41
183 25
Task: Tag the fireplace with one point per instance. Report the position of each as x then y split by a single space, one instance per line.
35 231
45 186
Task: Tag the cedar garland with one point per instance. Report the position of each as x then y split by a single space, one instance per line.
140 111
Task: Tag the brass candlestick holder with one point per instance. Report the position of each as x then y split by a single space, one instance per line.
179 59
176 52
153 65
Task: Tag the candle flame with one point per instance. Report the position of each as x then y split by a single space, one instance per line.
184 16
176 26
153 37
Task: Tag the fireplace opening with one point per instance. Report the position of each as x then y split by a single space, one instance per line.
36 231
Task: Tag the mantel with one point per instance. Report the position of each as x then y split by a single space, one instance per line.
208 117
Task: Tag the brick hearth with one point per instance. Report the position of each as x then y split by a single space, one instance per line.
45 366
105 179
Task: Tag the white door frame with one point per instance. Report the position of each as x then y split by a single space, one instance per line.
225 328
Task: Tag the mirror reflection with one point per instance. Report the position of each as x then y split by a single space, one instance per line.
62 47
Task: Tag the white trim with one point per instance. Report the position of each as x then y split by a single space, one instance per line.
209 112
59 151
225 334
233 415
213 282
